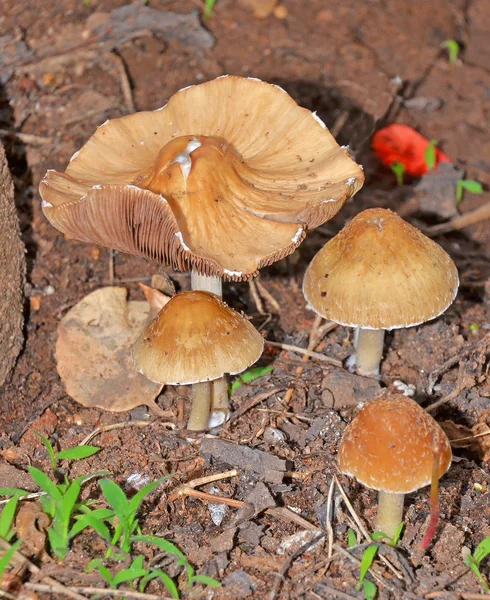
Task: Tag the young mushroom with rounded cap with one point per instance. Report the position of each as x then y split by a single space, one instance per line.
379 273
223 180
389 447
196 339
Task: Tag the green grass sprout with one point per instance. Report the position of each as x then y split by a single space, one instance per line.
453 49
249 376
351 538
125 511
367 560
392 541
474 560
7 557
398 169
208 8
430 154
467 185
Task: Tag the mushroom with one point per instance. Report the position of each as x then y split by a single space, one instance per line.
389 447
379 273
223 180
196 339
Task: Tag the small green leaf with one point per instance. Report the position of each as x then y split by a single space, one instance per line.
88 520
161 543
398 533
165 579
205 580
208 8
367 560
45 483
370 589
7 557
250 375
452 47
116 498
138 498
474 567
398 169
351 538
472 186
49 448
13 492
430 155
78 452
58 542
482 550
7 518
135 571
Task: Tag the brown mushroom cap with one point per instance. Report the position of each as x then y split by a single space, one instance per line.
389 446
196 337
226 178
380 272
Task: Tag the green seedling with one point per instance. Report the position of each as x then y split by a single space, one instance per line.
430 155
474 560
474 328
367 560
467 185
452 48
125 511
131 574
351 538
182 561
249 376
7 517
208 8
398 169
392 541
7 557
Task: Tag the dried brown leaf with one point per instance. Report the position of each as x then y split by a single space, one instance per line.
31 524
93 352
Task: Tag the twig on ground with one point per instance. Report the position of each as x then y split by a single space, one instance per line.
20 559
112 269
289 561
122 425
328 521
297 349
124 80
460 385
251 403
256 298
461 221
183 490
268 297
330 592
27 138
39 587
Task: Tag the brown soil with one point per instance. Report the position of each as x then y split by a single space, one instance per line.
360 64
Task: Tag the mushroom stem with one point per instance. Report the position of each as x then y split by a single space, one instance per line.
369 350
390 512
219 404
201 400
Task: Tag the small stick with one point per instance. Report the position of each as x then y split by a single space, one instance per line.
289 561
310 353
264 292
26 138
256 297
183 491
328 523
461 221
251 403
330 592
124 79
122 425
30 566
39 587
111 267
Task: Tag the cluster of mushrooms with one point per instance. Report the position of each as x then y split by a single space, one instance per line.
229 177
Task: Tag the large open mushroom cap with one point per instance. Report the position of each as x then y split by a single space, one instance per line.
380 272
226 178
390 446
196 337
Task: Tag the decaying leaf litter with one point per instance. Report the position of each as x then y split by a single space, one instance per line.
306 432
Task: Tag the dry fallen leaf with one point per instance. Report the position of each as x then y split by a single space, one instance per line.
93 352
30 525
476 439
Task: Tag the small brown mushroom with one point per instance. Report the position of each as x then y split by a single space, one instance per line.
379 273
389 447
196 339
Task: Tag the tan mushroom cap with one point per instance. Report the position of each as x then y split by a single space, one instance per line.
389 446
225 179
196 337
380 272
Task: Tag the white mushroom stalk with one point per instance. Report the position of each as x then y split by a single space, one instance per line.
369 351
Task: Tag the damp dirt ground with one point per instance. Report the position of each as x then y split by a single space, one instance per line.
361 65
